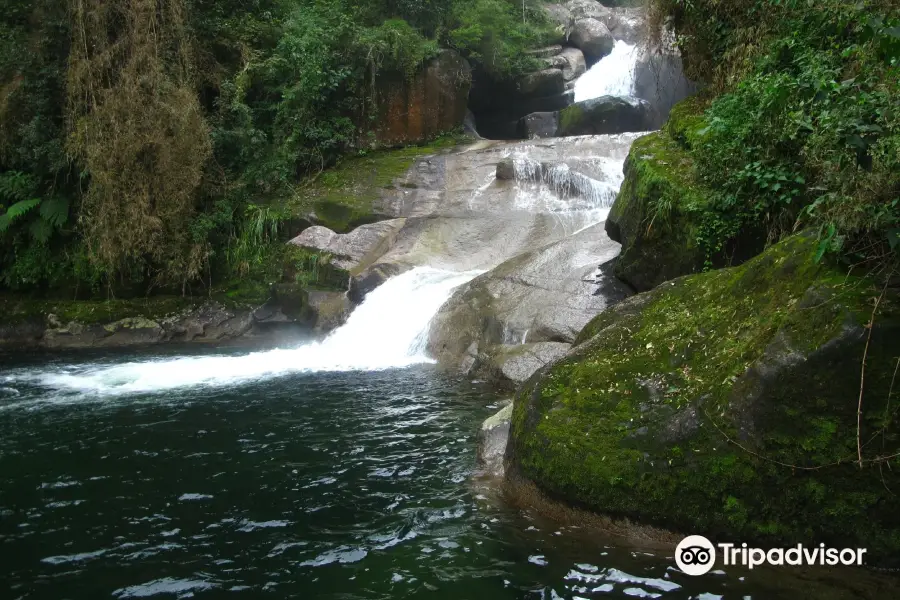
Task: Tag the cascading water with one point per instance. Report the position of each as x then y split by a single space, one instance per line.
388 330
614 75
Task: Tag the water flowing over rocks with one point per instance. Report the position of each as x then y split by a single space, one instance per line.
496 325
593 38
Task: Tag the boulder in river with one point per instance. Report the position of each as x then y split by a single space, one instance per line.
604 115
573 64
725 403
492 438
593 38
546 82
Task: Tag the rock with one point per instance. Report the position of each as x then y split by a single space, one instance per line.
539 125
545 295
588 9
593 38
354 251
546 82
433 102
652 216
506 169
371 278
604 115
518 363
331 309
492 438
574 65
660 79
547 52
689 406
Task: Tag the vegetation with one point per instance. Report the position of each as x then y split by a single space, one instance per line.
166 147
800 127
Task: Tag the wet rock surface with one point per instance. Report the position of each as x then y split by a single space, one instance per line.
546 295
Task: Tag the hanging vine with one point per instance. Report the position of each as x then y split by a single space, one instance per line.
136 126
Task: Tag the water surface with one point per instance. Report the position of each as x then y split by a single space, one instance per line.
306 485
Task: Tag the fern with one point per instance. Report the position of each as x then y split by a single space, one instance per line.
55 211
17 186
17 210
40 230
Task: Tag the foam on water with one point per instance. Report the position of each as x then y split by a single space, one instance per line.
613 75
389 330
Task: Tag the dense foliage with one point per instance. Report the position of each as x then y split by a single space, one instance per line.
145 145
803 127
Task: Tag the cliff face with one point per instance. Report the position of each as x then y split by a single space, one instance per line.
433 102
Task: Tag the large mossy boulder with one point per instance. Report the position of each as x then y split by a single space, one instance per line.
725 404
599 116
654 216
662 208
604 115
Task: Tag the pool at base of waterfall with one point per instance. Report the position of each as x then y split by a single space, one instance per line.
307 485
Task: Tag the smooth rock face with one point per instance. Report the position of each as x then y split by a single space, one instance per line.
518 363
492 438
660 79
546 295
539 125
435 101
547 82
607 114
728 386
573 63
352 251
593 38
459 216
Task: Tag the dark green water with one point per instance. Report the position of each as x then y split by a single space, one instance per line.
338 485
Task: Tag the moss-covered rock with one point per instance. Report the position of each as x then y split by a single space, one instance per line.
662 208
725 403
654 215
360 189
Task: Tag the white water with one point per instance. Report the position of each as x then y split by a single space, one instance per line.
389 330
612 76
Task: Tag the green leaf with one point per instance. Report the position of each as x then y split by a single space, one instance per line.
20 208
40 230
55 211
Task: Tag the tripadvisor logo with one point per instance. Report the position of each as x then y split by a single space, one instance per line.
696 555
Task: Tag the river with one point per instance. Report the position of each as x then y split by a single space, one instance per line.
303 484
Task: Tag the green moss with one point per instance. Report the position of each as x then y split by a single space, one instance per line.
634 423
686 121
17 309
654 216
570 118
345 196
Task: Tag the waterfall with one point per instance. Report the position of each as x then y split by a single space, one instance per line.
388 330
612 76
